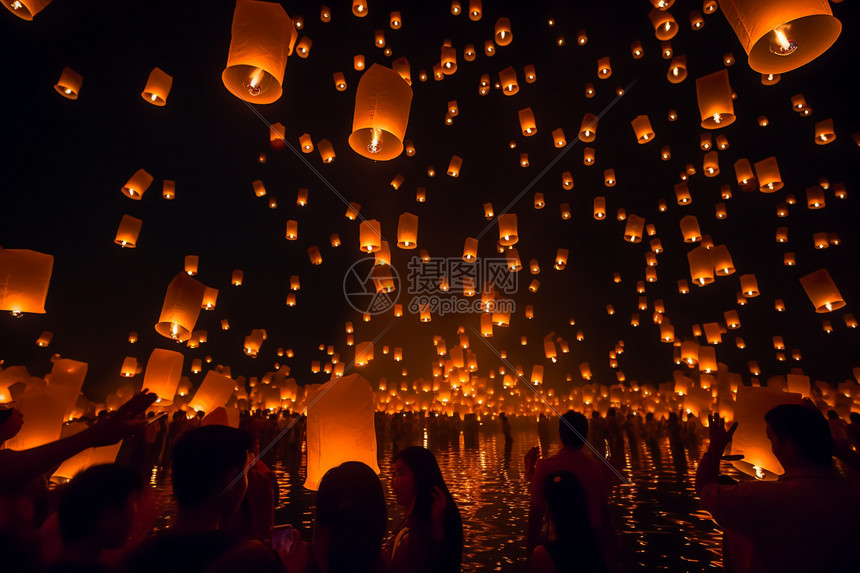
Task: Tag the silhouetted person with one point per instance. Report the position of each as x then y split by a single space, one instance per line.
430 538
96 512
593 474
574 546
350 521
506 429
209 483
597 432
804 521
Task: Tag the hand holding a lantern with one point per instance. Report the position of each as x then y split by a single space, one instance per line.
719 436
125 421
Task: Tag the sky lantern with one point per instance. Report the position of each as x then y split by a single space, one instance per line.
214 391
163 371
677 70
69 84
782 36
750 439
303 48
237 277
634 228
168 188
24 279
129 229
326 150
588 128
744 173
277 139
508 229
470 250
604 68
642 128
824 133
292 230
690 229
711 165
503 35
339 81
44 410
749 285
822 291
370 236
767 173
599 208
701 266
508 79
340 426
305 143
262 37
382 103
665 26
157 87
191 262
714 95
723 264
474 10
181 308
527 122
137 185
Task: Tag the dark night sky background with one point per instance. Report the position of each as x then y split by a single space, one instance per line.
63 164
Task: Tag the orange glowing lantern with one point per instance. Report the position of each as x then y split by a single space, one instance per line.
455 165
822 291
677 72
701 266
69 84
137 185
129 229
181 308
163 371
382 103
782 36
664 24
262 37
714 95
508 229
24 279
157 87
527 121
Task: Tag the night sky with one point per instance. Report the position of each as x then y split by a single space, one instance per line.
64 162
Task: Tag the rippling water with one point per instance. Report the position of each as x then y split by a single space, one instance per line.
657 514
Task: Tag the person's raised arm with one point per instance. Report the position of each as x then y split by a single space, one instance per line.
709 467
21 466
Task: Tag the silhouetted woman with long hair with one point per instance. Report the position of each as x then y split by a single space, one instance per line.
430 537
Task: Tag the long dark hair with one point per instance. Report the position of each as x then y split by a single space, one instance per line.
351 505
575 546
422 463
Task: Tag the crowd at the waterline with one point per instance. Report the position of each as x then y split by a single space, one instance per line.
225 495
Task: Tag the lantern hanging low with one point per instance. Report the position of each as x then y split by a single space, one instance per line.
262 37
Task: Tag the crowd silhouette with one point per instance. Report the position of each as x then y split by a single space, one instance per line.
226 492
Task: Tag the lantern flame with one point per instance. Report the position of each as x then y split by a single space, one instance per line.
253 82
759 473
16 5
375 145
783 45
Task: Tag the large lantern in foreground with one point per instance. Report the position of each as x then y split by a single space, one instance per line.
26 9
214 392
340 426
163 371
181 308
782 35
750 438
262 36
382 103
24 279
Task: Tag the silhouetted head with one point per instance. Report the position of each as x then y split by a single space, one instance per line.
799 435
11 421
99 504
572 429
350 519
568 510
832 415
206 461
854 417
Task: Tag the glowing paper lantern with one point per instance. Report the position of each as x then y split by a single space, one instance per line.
214 391
588 128
714 95
767 173
262 37
382 103
181 308
782 36
508 229
44 410
69 84
701 266
340 426
527 122
163 371
470 250
677 70
137 185
822 291
24 279
508 79
664 24
750 439
642 128
157 87
370 236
